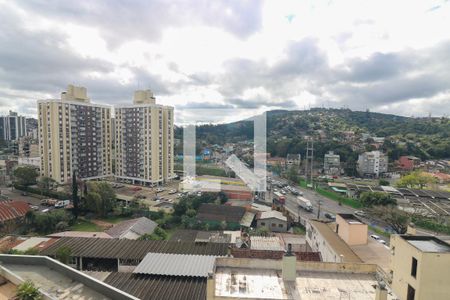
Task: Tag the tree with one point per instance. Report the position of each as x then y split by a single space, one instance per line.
416 179
292 174
223 198
63 254
369 199
26 175
383 182
158 235
28 291
101 198
397 219
46 183
223 225
75 197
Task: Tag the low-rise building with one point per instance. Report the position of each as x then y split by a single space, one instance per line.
11 213
132 229
272 220
420 267
407 162
321 238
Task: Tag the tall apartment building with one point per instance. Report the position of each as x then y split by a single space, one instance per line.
372 163
144 141
74 135
12 126
420 267
331 163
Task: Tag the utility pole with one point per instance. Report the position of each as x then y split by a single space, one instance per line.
309 156
319 202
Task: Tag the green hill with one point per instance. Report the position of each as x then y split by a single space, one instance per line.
332 129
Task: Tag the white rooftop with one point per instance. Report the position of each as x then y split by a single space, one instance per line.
272 243
272 214
176 265
309 285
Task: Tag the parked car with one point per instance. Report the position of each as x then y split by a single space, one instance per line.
375 237
62 203
171 192
360 213
159 190
382 241
330 216
34 207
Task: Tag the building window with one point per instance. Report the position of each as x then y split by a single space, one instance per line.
280 225
263 224
411 293
274 225
414 267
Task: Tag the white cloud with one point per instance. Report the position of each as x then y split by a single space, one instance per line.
267 53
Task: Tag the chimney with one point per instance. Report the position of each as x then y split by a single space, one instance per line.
289 265
381 291
210 287
411 229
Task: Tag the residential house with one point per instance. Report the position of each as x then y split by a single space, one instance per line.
132 229
272 220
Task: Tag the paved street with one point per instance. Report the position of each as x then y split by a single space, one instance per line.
327 205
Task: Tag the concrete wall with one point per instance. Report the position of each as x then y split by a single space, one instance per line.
271 264
433 272
318 244
352 234
78 276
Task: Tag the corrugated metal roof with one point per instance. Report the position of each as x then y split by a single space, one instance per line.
132 249
151 287
273 214
140 226
176 265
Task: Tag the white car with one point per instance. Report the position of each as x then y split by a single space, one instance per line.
375 237
382 241
360 213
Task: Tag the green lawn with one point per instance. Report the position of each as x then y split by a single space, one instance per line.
83 225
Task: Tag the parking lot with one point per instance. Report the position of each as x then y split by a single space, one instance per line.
150 196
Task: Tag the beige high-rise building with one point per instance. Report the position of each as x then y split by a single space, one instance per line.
144 141
74 134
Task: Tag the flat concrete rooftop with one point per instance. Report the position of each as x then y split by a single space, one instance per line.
53 283
428 243
309 285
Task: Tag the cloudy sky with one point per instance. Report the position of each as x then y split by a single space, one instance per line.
386 56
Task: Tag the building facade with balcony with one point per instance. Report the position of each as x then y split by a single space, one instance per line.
12 126
144 141
74 135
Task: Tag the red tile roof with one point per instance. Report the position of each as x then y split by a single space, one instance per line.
10 210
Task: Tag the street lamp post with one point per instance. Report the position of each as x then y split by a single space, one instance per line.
318 209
